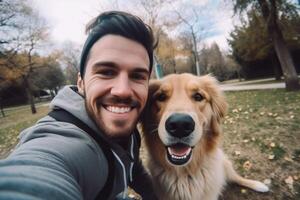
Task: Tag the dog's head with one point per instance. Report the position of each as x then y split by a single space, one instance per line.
182 116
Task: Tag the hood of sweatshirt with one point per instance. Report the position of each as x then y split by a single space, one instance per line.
70 100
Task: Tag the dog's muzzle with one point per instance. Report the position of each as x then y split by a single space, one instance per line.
180 125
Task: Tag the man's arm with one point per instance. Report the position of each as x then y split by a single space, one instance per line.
52 166
36 173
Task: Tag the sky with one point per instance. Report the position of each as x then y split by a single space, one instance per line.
67 18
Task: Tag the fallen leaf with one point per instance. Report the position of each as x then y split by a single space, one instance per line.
131 195
235 110
272 144
270 114
271 157
288 159
247 165
290 181
243 191
267 182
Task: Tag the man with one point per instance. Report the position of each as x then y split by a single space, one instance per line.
87 148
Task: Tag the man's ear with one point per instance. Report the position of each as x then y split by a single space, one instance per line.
80 84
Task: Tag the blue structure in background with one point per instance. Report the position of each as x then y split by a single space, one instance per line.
158 71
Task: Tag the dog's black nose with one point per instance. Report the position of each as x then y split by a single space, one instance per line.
180 125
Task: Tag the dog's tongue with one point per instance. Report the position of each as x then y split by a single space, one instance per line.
179 151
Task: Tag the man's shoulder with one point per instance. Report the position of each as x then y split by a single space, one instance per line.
53 139
48 126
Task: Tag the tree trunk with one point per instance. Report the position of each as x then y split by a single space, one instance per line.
276 67
286 62
196 54
270 15
29 95
2 111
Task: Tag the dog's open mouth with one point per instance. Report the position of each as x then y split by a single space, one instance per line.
179 154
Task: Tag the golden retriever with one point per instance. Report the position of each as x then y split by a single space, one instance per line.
182 134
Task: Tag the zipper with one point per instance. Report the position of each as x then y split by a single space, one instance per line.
131 164
124 174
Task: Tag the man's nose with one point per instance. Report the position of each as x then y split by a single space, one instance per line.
121 87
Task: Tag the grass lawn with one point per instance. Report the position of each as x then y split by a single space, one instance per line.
261 137
17 119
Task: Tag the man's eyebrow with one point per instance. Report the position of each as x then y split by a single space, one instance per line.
141 70
114 65
105 63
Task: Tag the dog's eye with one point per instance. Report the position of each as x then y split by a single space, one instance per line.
198 97
161 97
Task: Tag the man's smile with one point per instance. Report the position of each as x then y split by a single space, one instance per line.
118 109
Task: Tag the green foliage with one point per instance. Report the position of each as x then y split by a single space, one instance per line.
285 7
251 41
49 76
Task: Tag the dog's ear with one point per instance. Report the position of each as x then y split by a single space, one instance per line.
154 85
217 98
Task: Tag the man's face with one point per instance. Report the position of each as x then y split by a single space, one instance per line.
115 84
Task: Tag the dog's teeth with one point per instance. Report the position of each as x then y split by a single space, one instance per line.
177 157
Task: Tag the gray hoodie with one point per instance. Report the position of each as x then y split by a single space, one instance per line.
58 160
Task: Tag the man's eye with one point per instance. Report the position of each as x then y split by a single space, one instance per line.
139 76
107 73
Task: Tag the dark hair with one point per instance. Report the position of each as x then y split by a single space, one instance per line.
117 23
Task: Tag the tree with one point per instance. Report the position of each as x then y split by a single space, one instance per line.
70 60
272 10
165 53
215 62
251 44
152 12
20 56
11 11
185 59
49 76
192 23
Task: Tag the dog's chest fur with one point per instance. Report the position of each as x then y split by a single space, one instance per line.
204 183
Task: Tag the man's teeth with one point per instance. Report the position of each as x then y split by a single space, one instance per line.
116 109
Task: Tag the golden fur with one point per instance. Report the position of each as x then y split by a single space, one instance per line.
205 174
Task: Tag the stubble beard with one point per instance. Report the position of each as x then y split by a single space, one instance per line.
125 133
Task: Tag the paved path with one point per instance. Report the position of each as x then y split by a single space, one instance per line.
240 86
